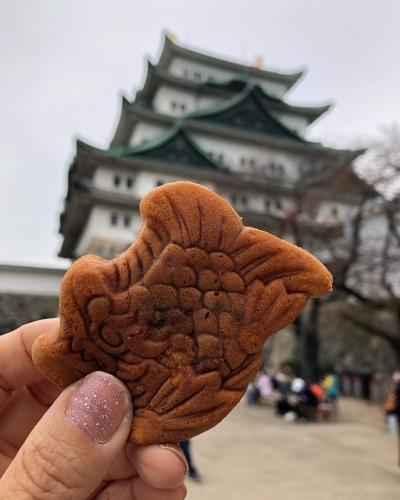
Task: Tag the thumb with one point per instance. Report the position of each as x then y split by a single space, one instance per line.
68 453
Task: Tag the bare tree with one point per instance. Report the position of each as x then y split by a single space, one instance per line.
316 225
361 246
378 246
370 272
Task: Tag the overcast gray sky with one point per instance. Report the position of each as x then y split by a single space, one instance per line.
65 63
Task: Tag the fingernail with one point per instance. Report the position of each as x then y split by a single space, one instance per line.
98 406
178 453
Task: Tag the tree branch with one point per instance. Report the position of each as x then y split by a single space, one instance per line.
375 331
392 225
376 304
385 264
355 240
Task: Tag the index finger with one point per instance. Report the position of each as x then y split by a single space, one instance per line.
16 365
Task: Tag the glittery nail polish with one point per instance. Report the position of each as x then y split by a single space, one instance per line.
98 406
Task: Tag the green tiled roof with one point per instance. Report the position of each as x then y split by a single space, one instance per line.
238 85
246 110
155 77
171 49
172 146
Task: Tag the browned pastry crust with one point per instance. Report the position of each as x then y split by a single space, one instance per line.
182 315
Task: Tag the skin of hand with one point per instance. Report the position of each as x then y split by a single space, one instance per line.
72 444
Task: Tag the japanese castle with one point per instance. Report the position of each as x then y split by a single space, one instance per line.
216 122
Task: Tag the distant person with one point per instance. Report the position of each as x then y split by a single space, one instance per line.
252 392
303 400
318 391
392 404
331 386
298 385
397 393
264 385
391 409
194 474
261 388
396 375
283 383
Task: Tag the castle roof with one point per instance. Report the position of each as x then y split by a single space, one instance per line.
246 110
242 117
172 146
222 89
171 49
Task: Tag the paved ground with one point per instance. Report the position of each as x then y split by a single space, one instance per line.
253 455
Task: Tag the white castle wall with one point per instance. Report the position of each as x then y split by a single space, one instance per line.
105 179
145 131
30 280
294 123
102 237
142 181
177 102
110 230
240 157
201 72
146 181
244 157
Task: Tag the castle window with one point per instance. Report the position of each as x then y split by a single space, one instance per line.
267 204
114 219
244 200
183 106
185 73
252 162
117 180
234 199
281 169
334 212
127 220
221 157
129 182
173 104
242 161
159 183
278 204
197 75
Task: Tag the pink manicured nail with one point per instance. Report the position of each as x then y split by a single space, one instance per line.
98 406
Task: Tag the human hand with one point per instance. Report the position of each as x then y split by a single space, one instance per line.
73 444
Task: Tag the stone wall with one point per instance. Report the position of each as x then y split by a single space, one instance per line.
17 309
